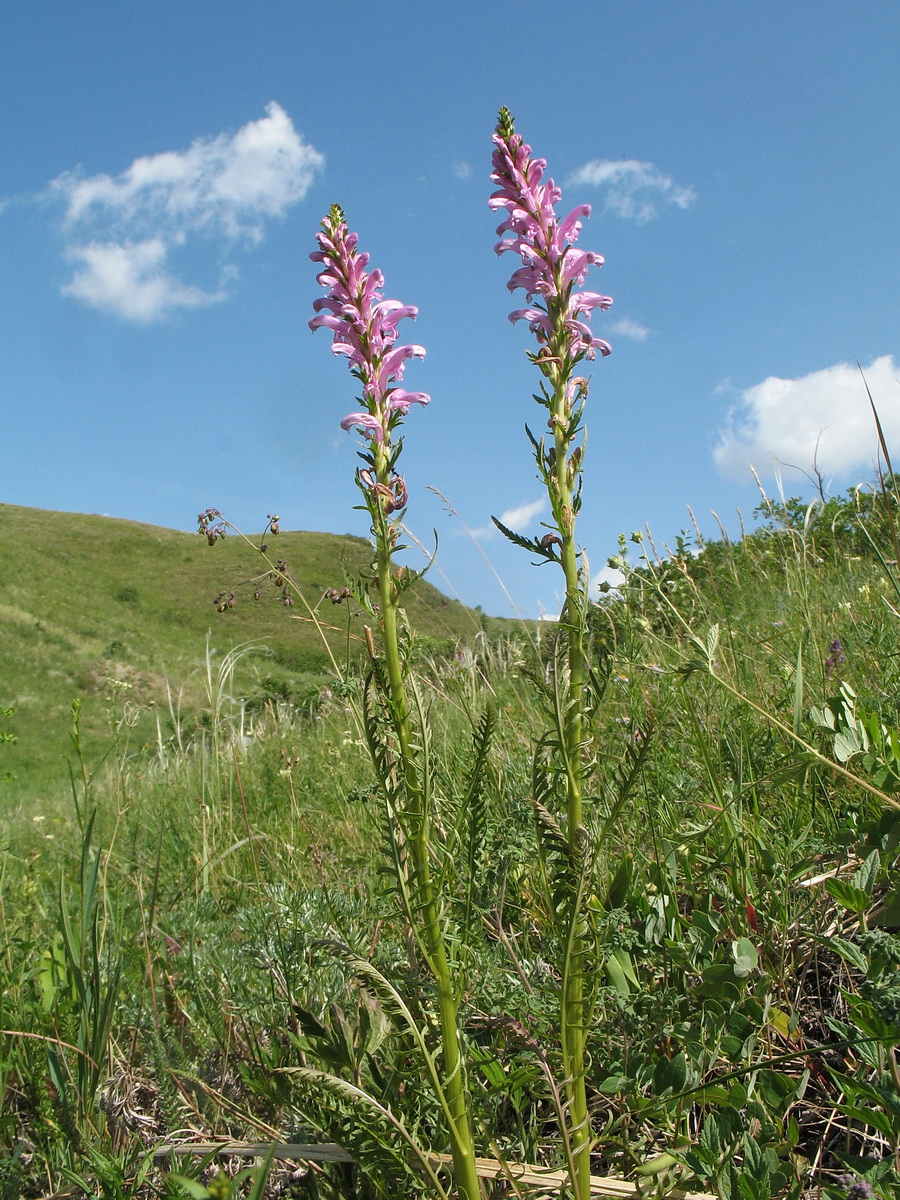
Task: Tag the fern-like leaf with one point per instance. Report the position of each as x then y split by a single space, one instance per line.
625 778
395 1009
474 810
379 1141
532 545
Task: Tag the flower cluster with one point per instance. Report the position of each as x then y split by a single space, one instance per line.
335 596
210 523
365 329
855 1188
552 268
836 657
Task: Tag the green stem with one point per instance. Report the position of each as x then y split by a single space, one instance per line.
573 1033
416 819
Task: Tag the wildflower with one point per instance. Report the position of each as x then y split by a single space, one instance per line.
552 269
364 326
855 1188
836 657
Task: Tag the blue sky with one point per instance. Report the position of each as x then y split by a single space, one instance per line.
165 168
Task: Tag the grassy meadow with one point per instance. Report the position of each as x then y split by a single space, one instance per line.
183 853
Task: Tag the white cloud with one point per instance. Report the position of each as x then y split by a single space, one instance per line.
627 328
462 170
119 230
131 280
633 187
517 519
824 417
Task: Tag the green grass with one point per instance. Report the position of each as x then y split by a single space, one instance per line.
744 894
87 600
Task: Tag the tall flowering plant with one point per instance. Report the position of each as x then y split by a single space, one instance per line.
558 311
364 328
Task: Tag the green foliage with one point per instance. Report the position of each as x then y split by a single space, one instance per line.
737 899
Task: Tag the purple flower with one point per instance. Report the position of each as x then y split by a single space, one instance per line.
854 1188
553 268
836 657
364 326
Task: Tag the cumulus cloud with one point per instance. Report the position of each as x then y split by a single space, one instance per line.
517 519
627 328
120 230
633 189
131 279
824 416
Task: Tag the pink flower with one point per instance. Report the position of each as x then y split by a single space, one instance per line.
552 267
364 329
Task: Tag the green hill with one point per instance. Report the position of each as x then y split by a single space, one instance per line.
90 603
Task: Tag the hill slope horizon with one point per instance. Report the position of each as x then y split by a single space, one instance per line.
109 611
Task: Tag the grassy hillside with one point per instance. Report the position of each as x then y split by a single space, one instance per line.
90 603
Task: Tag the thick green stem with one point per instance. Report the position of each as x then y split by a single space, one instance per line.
572 1008
416 822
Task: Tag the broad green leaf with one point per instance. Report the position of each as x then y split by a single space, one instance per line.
614 1085
865 876
617 976
852 898
669 1074
873 1117
746 957
848 951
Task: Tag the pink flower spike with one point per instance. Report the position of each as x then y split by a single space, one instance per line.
552 268
364 328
